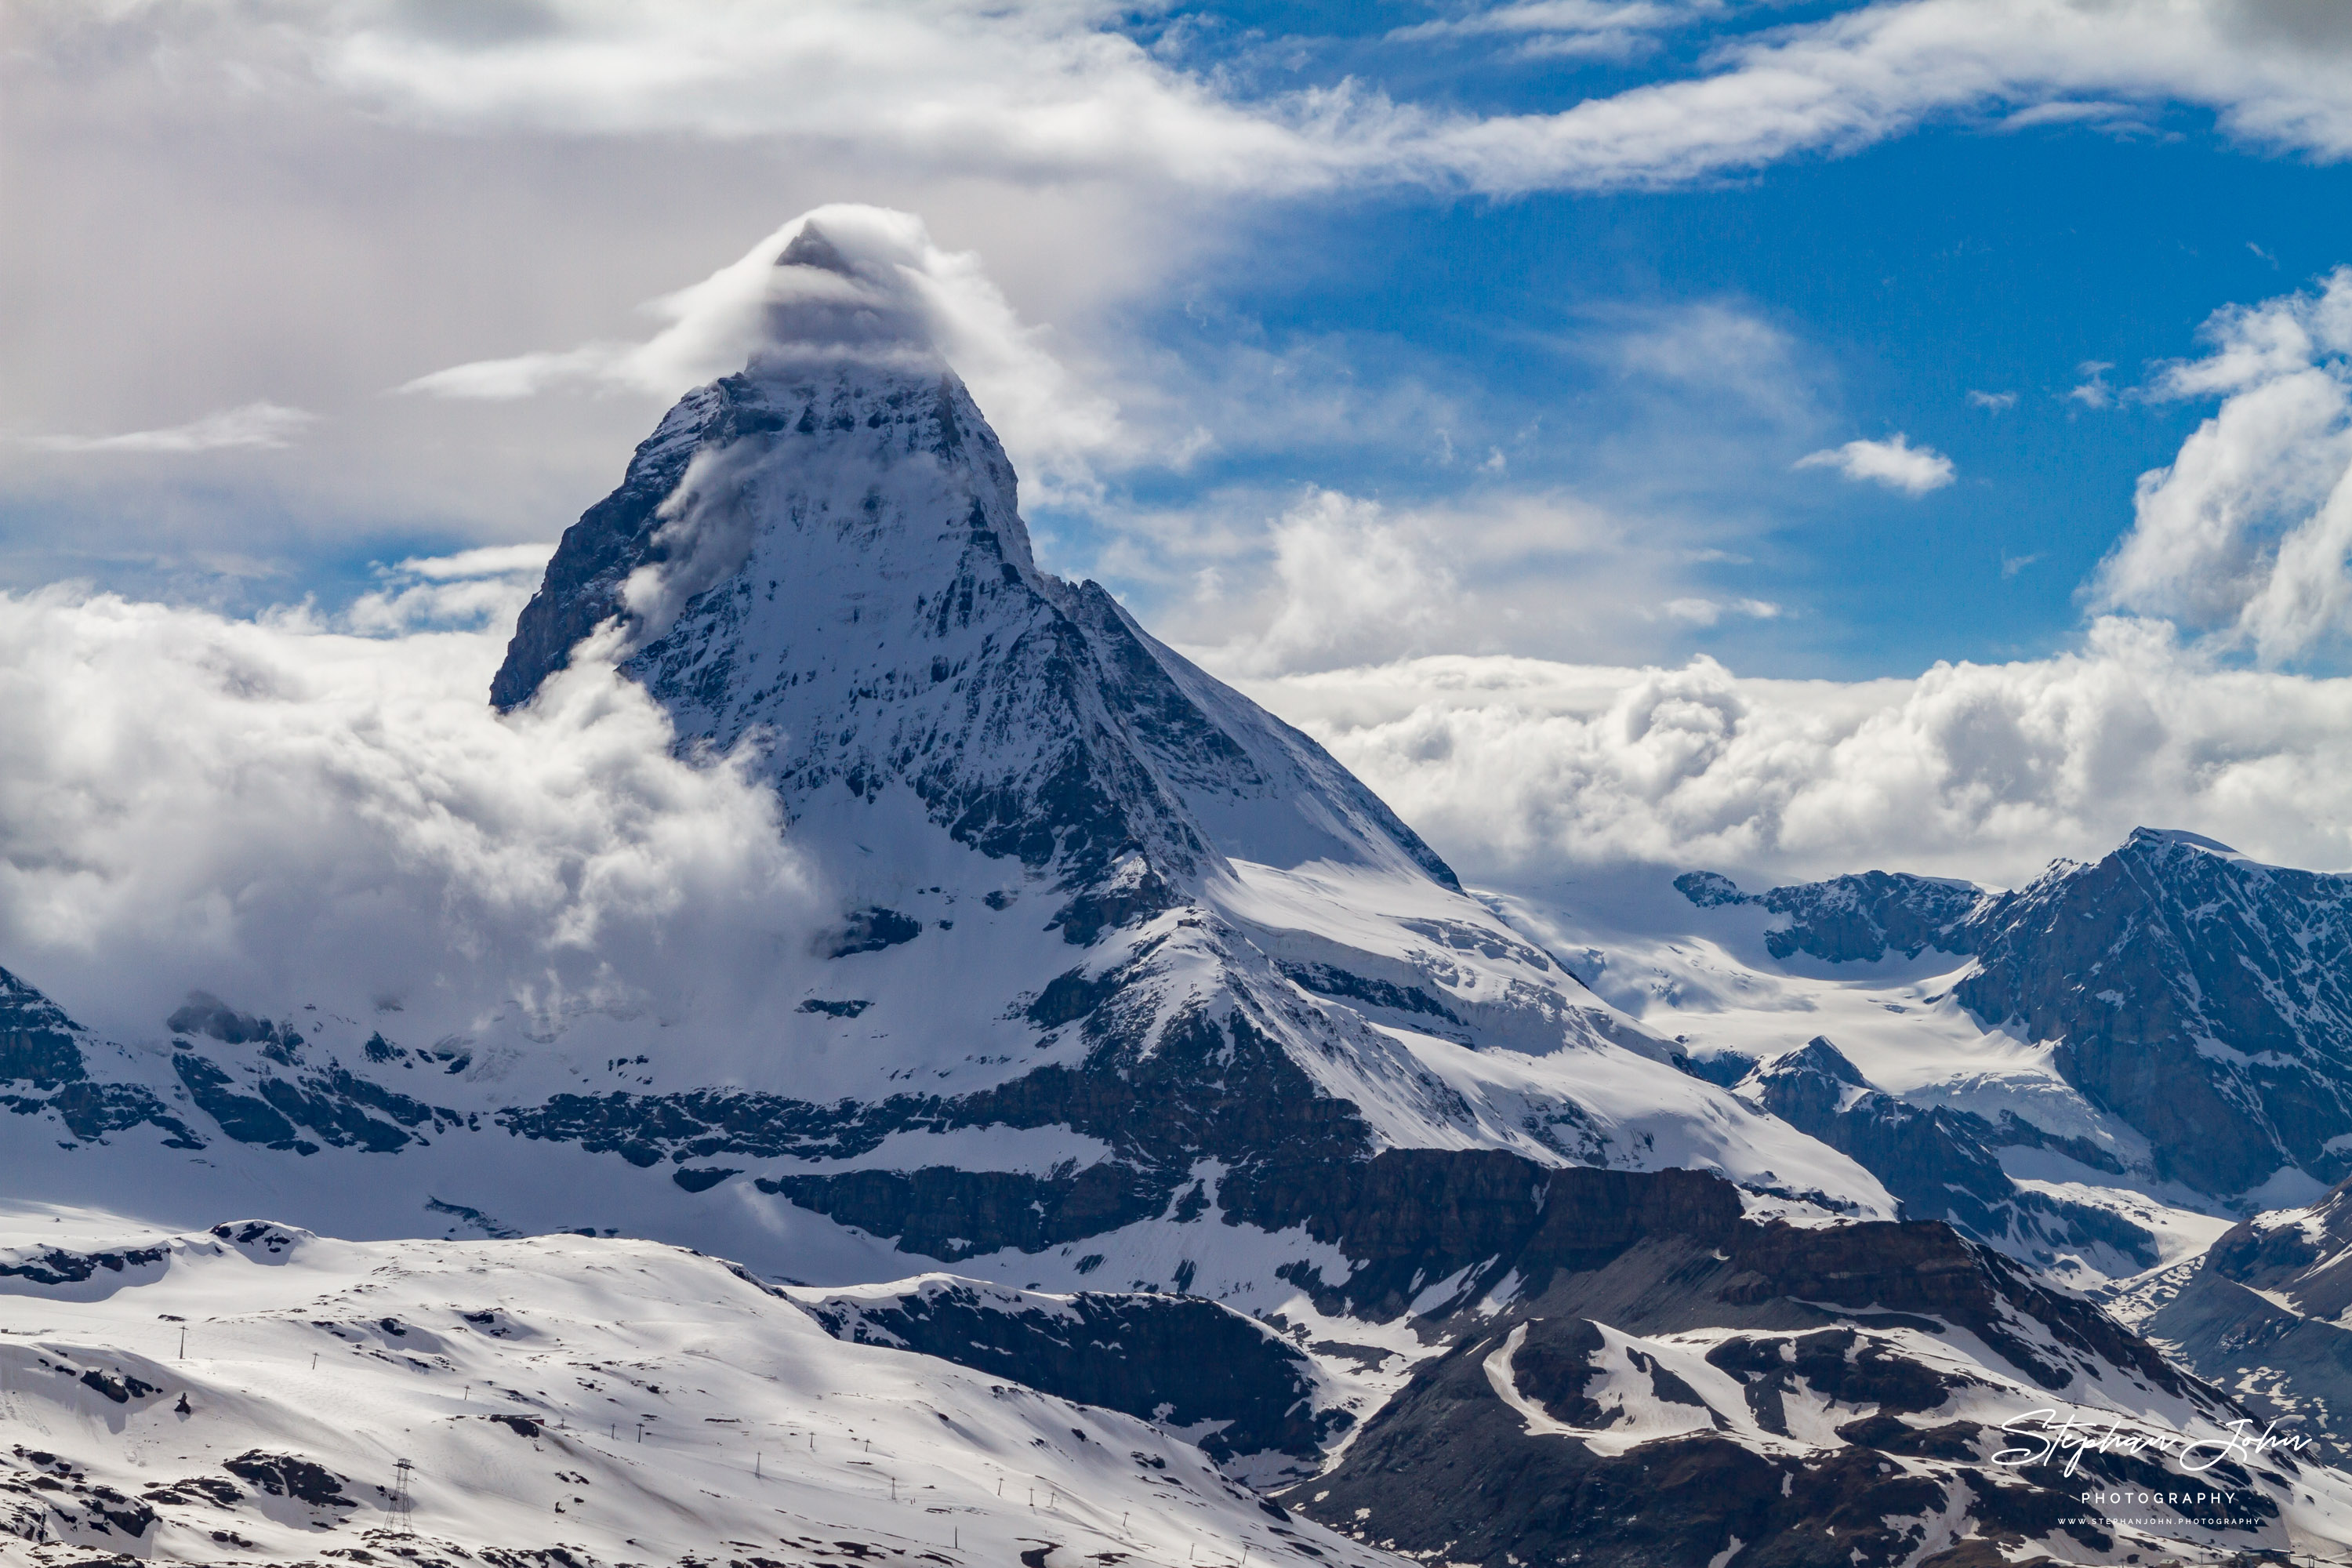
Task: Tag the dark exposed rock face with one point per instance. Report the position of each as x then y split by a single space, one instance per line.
1939 1163
1408 1216
1228 1093
1176 1360
205 1014
55 1265
36 1038
334 1106
2205 1000
1854 918
1450 1466
290 1476
39 1049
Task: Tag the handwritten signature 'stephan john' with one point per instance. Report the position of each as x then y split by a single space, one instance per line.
2074 1437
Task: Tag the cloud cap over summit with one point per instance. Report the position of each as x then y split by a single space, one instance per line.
840 283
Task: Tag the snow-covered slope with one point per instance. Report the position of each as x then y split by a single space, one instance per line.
2265 1311
2192 998
249 1393
2069 1128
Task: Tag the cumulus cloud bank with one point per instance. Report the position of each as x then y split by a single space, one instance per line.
876 288
280 813
1528 773
1893 462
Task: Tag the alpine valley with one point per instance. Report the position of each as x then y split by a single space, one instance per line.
1158 1154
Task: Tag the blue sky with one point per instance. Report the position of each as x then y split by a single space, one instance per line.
1429 259
1903 278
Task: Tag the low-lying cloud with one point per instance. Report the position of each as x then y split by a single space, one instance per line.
262 424
1528 773
281 814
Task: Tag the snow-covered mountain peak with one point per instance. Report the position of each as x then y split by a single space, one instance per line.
823 557
827 304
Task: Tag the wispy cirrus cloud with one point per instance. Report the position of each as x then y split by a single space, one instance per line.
250 424
1055 89
1564 29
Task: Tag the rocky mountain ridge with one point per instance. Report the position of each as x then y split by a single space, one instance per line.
2199 996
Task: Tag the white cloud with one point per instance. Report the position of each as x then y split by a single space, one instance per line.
2246 535
2092 391
280 815
1346 583
490 561
902 297
472 589
1914 470
1332 580
1868 74
1053 91
1526 773
251 425
1563 29
1993 402
1712 346
1700 612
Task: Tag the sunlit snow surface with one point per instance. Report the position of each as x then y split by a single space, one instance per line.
1702 977
627 1401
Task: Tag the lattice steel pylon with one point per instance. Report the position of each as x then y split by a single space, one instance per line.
404 1504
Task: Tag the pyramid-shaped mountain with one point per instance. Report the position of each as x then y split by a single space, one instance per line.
1202 946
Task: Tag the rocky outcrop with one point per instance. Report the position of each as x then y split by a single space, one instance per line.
43 1071
1184 1362
1642 1401
2203 999
1939 1162
2265 1312
1856 918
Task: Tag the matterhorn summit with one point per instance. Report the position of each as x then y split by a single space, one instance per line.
823 554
